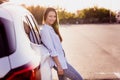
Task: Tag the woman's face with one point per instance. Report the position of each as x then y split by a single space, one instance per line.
51 18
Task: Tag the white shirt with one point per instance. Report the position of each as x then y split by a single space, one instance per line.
51 40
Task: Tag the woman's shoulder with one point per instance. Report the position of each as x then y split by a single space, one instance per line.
44 28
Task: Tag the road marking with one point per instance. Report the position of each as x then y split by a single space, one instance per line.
101 73
117 74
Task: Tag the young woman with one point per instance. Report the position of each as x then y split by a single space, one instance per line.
51 38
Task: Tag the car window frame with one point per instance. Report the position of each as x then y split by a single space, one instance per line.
34 37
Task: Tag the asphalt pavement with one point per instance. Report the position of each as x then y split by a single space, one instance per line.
93 50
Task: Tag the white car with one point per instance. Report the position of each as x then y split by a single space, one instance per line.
19 58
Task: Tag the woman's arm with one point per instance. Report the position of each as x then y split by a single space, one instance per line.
59 67
48 42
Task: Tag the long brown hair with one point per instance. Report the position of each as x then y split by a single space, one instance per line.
56 23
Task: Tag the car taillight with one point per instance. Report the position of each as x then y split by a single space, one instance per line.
28 75
25 74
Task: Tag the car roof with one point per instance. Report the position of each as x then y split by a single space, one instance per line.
13 9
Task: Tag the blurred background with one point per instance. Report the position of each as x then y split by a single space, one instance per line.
77 11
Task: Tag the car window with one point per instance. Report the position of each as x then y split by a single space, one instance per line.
7 37
2 40
36 28
31 30
27 29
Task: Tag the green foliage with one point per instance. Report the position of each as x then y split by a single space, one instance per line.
96 15
88 15
37 12
65 17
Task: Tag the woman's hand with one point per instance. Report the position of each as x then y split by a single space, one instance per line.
60 70
59 67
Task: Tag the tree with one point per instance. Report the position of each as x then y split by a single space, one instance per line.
37 12
88 15
95 14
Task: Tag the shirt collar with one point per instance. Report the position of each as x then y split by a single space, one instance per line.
48 26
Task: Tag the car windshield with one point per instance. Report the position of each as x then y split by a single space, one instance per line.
7 37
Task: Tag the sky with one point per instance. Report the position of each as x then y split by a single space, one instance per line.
73 5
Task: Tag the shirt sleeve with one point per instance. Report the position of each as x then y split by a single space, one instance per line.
48 42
